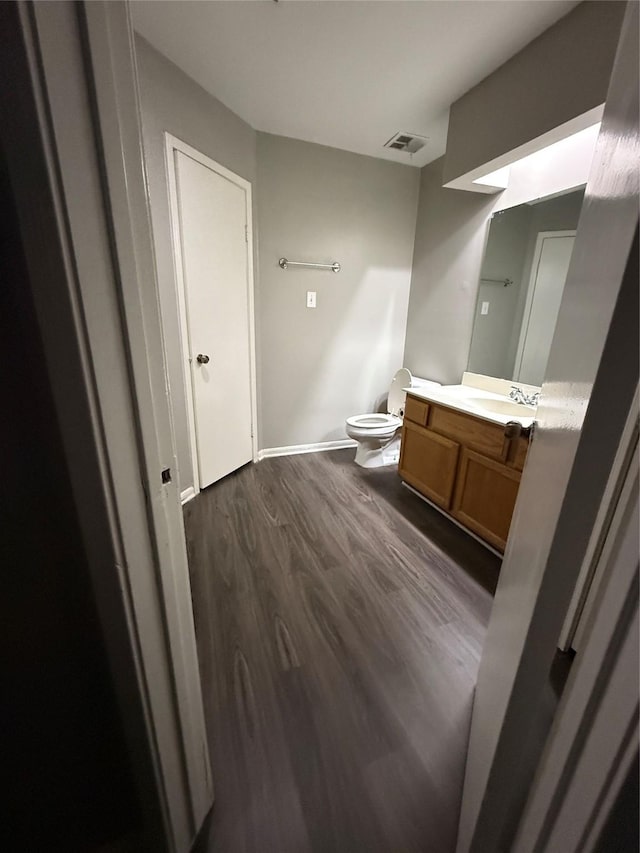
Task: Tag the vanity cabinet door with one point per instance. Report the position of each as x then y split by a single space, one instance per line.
428 462
485 496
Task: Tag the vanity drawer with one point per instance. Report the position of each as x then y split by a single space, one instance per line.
472 432
416 410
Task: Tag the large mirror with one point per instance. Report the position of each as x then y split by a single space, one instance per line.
521 282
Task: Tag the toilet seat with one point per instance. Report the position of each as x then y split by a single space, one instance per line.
372 426
374 420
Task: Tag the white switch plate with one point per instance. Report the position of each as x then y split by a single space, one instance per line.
311 299
485 308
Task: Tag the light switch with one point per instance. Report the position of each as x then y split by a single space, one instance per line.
311 299
485 308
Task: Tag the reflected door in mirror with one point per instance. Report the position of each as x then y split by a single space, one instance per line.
549 273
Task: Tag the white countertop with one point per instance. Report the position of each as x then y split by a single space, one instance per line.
496 408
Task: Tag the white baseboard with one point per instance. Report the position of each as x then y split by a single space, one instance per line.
294 449
187 495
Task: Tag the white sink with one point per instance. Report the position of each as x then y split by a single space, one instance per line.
502 407
488 405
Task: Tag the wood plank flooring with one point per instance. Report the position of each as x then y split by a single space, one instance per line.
339 624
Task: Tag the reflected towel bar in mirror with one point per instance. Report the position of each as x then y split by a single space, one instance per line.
505 282
285 264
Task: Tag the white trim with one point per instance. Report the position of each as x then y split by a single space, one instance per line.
178 278
110 46
173 143
453 520
587 590
295 449
531 288
594 735
187 495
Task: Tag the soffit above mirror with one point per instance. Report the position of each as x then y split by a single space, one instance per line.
554 87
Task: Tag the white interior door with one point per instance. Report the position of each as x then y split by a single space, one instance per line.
213 223
549 273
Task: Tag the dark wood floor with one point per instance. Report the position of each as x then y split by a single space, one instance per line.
339 624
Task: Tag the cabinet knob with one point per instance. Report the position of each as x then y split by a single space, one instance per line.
202 359
512 429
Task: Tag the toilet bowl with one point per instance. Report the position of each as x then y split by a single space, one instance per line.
378 434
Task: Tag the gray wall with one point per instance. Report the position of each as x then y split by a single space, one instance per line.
560 75
171 101
319 366
450 238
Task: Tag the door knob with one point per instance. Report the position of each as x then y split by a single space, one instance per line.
202 359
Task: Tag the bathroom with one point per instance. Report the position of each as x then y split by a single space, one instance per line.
316 367
358 264
229 627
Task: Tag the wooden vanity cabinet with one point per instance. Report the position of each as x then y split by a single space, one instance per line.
463 464
429 462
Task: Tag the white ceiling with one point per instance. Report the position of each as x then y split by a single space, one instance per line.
348 74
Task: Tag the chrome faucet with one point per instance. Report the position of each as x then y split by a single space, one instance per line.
518 396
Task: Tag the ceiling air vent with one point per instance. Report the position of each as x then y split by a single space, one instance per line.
409 142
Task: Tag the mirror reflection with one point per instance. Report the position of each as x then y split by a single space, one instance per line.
521 282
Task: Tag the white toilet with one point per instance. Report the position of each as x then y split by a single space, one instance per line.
378 435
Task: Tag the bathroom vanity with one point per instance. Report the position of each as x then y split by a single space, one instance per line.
463 449
464 446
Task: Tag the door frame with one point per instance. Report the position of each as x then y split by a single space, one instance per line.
173 143
594 738
531 288
588 587
73 143
589 388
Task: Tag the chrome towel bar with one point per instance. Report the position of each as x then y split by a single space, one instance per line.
285 264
